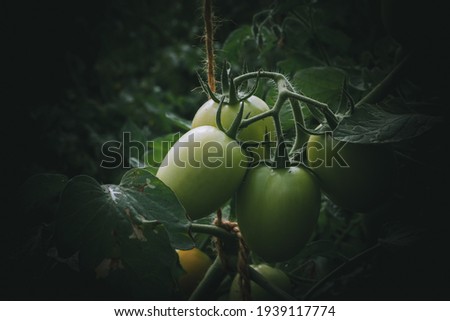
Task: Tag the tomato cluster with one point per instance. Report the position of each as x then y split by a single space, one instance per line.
277 208
277 199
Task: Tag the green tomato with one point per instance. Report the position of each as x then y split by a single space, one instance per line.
206 115
277 210
204 168
273 275
357 177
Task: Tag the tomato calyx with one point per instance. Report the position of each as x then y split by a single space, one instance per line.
234 128
230 93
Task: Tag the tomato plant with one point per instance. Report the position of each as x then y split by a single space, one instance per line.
357 177
255 133
275 276
203 168
195 263
351 215
277 210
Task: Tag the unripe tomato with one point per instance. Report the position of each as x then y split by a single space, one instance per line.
206 115
357 177
195 263
277 210
204 168
273 275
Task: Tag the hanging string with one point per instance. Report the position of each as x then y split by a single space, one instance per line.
209 43
243 255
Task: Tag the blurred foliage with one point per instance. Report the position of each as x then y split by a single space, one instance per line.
81 71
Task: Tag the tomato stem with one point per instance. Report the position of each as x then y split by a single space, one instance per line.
234 128
323 108
281 155
210 282
219 115
214 231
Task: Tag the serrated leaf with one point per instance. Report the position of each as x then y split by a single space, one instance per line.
370 124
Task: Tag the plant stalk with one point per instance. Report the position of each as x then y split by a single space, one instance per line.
213 277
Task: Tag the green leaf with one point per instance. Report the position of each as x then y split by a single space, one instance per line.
325 84
336 39
131 228
370 125
236 42
147 266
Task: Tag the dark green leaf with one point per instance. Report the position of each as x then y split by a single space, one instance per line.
334 38
156 202
147 267
110 224
370 124
325 84
235 42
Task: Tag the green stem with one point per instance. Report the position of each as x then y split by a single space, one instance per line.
385 86
234 128
214 231
286 91
247 122
213 277
300 137
281 155
250 75
324 109
269 287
